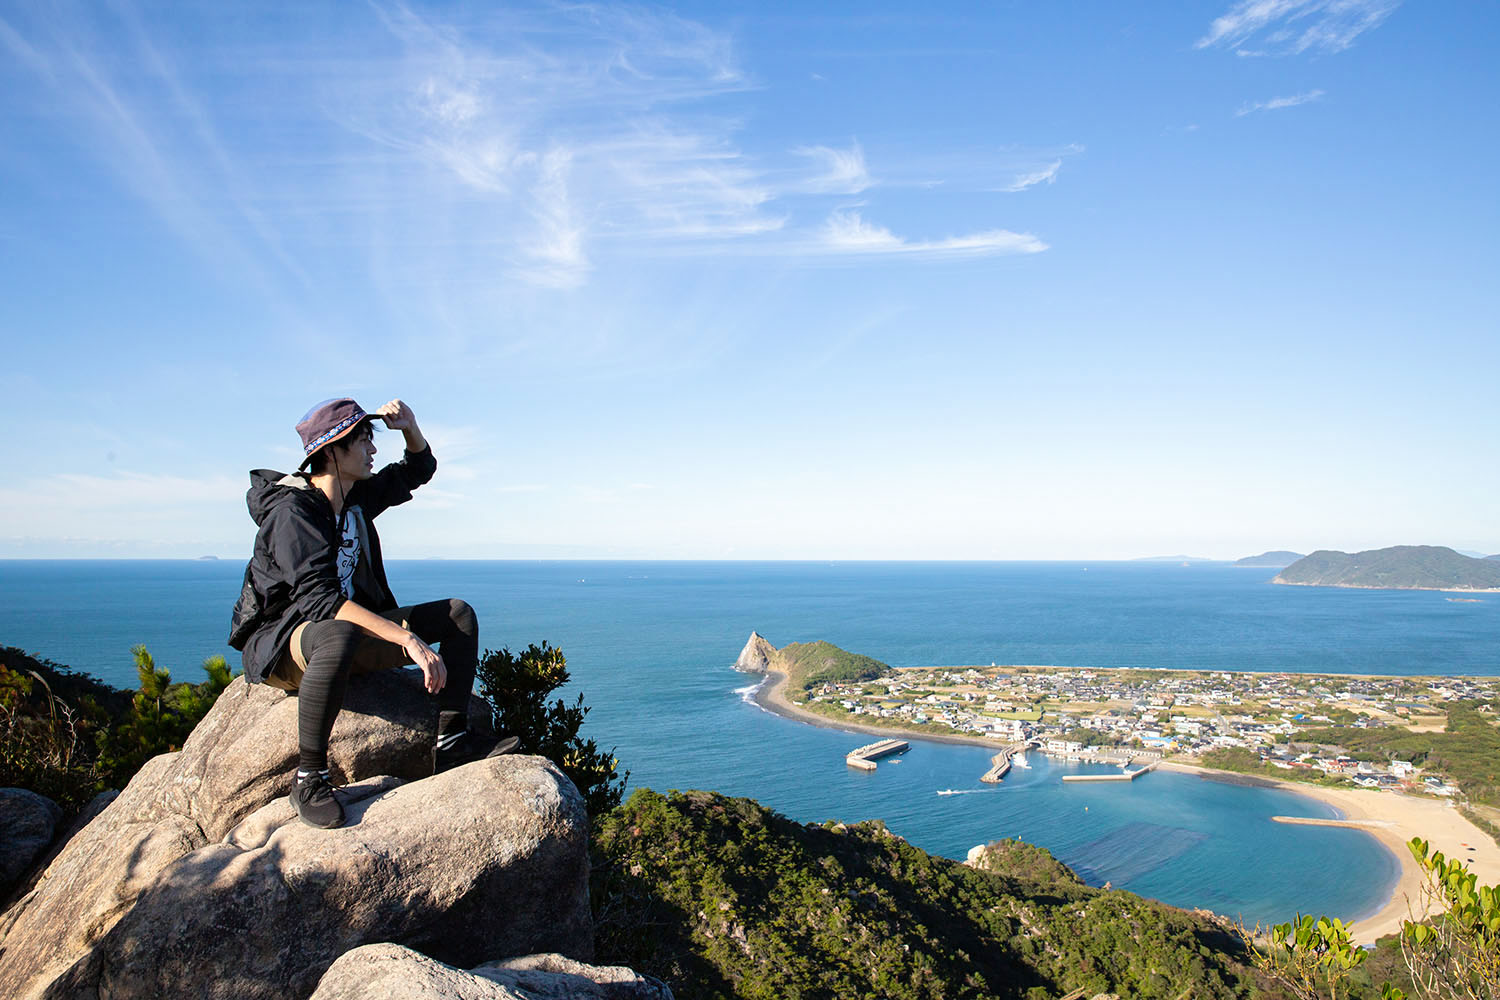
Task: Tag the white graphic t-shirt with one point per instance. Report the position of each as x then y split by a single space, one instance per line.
350 548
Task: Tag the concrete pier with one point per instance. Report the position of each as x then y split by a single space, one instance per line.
863 758
1123 776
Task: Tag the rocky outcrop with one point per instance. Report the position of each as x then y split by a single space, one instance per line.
486 860
237 760
27 823
756 657
391 972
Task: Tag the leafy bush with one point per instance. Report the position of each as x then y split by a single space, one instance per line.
516 689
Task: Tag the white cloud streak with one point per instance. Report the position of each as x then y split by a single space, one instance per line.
1047 175
843 170
846 232
1292 27
1277 103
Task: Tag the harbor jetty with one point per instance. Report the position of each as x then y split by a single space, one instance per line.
1124 775
864 757
1000 763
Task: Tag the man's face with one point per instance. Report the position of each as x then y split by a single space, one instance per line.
355 455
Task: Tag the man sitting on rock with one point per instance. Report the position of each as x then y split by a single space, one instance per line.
315 606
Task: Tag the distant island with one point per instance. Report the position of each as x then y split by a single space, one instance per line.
1400 567
1270 560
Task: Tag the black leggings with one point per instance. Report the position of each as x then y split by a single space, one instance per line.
336 649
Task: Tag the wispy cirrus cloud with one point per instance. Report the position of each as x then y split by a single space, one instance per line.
1291 27
842 170
1277 103
847 232
445 156
1046 175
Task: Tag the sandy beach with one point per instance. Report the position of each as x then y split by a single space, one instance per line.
1391 817
1394 818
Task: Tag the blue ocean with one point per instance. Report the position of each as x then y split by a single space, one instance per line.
650 644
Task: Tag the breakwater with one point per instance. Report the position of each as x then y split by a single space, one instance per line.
1000 763
864 758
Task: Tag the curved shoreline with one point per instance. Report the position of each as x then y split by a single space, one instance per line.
770 696
1391 818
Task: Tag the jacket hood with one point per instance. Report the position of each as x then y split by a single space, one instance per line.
270 489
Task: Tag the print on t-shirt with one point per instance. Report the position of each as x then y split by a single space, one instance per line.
349 550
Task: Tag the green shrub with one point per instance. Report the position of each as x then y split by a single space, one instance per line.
516 689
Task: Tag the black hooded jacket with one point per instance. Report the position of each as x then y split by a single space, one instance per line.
292 576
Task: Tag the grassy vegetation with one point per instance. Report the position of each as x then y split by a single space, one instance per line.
723 898
808 664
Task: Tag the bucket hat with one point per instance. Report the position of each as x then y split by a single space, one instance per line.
328 422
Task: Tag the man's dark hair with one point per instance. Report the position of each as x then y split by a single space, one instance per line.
322 460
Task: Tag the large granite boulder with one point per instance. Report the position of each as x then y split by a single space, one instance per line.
27 823
238 759
756 657
485 861
391 972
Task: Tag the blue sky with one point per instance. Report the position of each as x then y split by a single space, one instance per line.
1012 281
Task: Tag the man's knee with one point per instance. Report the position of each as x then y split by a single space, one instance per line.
463 616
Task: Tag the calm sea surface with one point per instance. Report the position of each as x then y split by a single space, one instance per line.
650 644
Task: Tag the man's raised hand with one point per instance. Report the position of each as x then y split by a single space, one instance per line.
397 415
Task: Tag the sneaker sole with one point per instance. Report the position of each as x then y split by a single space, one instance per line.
505 746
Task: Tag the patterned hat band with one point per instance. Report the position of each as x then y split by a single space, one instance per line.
326 423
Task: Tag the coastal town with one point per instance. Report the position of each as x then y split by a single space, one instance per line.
1114 714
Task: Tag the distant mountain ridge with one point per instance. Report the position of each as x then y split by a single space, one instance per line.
1400 567
1270 560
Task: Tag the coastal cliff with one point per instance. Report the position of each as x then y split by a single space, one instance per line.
757 655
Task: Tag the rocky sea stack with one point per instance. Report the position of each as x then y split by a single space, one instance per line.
756 657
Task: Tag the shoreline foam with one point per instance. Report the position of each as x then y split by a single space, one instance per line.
1392 818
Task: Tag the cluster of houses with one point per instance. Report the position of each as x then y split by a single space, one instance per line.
1074 712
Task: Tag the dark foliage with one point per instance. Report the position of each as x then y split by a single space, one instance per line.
724 898
517 688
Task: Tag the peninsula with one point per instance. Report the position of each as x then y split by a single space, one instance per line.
1400 567
1401 757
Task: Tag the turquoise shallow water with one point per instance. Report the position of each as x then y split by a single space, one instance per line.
649 645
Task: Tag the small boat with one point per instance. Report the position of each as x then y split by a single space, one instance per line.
947 791
1019 760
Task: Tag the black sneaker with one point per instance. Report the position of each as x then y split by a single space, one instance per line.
465 748
315 801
